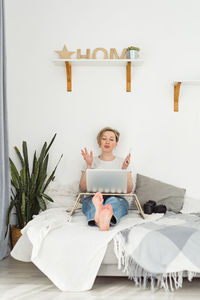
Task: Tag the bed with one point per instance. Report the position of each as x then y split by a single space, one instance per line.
74 264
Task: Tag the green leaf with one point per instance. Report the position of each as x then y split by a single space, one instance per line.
42 180
12 192
47 197
45 164
14 174
34 162
51 177
20 156
51 143
34 176
23 178
41 174
23 207
42 153
133 48
41 202
25 153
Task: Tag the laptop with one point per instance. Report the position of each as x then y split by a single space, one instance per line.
112 181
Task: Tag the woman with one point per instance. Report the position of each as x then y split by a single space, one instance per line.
106 211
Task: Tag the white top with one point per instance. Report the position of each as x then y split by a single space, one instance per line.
98 163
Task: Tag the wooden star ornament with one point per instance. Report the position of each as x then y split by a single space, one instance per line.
65 54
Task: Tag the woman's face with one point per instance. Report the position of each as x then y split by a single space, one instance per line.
108 141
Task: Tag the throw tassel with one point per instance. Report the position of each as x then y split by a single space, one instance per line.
190 275
168 281
119 251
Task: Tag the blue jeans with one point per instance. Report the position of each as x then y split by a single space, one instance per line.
120 208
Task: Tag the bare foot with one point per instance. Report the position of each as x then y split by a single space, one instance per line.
105 217
97 200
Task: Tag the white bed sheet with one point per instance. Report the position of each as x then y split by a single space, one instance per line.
69 254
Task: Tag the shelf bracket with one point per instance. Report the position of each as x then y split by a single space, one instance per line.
176 94
69 76
128 76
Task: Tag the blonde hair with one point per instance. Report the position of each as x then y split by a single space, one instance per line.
102 131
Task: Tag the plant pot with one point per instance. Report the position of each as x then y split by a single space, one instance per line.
15 235
133 54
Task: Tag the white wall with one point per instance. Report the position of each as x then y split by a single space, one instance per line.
165 144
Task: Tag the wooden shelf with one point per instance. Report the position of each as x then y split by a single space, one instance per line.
196 81
99 62
177 85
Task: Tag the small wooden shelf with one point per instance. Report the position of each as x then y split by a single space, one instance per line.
177 85
99 62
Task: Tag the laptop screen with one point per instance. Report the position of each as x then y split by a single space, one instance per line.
106 180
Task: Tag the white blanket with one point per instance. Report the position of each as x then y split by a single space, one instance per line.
69 254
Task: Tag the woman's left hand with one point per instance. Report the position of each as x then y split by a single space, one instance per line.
126 162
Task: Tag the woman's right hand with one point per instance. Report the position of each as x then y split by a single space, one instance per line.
87 157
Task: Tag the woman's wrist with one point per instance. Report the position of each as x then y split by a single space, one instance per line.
89 167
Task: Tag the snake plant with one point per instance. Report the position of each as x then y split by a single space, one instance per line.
28 186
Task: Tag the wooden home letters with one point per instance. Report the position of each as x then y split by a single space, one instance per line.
114 54
100 49
87 55
66 54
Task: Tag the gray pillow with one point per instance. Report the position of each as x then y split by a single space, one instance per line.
162 193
